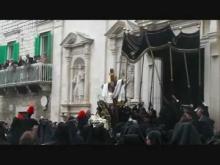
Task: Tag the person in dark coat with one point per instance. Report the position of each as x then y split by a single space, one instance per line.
98 135
45 131
28 121
21 62
82 118
16 129
60 136
154 138
21 123
205 124
27 138
29 60
185 133
5 66
73 137
132 134
66 134
215 140
3 139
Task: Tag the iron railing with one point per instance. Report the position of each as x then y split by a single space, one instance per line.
28 74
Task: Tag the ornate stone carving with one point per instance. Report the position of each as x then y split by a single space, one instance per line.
77 46
78 81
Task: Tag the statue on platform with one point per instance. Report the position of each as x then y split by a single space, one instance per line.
109 87
78 84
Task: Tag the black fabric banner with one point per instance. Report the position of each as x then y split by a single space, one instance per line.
160 37
188 40
135 46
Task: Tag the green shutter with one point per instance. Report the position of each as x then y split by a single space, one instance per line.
49 46
15 54
3 54
37 46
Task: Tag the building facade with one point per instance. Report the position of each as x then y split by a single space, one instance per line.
80 54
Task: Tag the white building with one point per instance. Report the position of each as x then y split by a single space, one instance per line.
82 53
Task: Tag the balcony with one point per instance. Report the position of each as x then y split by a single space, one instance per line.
26 76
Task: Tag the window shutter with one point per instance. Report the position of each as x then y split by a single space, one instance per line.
49 46
3 54
15 55
37 46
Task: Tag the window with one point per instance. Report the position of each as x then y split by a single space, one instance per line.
43 45
3 54
10 50
13 51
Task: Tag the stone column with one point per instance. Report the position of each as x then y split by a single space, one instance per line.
114 53
68 59
137 80
87 73
157 86
214 85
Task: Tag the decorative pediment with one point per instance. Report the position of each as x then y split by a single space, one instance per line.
117 29
76 39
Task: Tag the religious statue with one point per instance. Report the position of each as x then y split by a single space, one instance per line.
108 88
78 84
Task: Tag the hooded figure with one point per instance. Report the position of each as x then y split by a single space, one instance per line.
98 135
154 138
185 134
132 134
21 123
83 126
16 130
215 140
45 131
71 129
3 140
205 124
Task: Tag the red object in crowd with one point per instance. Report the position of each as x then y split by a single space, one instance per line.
30 110
20 116
81 114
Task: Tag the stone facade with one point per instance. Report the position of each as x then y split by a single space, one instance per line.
96 44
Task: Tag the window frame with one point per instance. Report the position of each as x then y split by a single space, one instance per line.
42 42
10 49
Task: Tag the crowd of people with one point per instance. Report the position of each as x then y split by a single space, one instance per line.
21 62
126 125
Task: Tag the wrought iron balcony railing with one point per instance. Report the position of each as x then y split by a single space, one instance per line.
24 75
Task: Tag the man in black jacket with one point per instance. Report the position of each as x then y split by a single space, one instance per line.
205 124
21 123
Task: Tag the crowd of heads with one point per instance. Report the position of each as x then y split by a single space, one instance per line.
23 61
126 126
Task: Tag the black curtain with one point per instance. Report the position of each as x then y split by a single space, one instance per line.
193 95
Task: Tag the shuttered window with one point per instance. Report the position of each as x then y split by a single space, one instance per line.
13 51
3 54
43 45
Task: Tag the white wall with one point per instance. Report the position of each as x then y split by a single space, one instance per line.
95 29
25 37
56 72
